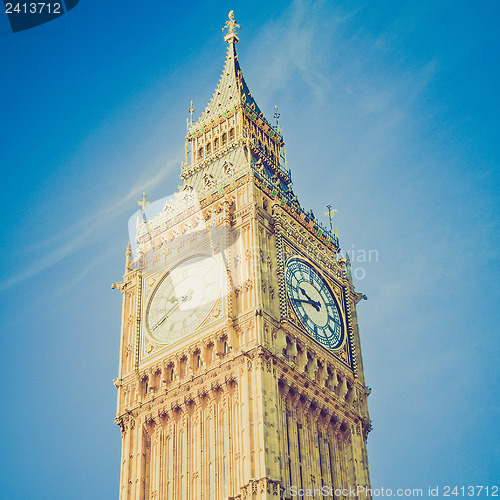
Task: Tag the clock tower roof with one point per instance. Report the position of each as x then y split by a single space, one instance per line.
232 90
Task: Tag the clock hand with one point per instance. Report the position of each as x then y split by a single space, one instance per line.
312 302
158 324
184 298
171 299
304 292
188 296
316 304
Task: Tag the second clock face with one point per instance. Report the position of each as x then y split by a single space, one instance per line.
183 298
314 303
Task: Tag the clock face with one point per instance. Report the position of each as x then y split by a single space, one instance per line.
183 298
314 303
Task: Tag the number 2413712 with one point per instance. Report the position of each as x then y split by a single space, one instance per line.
471 491
33 8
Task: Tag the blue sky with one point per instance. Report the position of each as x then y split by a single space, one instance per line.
390 114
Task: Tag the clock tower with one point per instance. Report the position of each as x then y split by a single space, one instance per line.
240 373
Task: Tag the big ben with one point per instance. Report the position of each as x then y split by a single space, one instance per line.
240 372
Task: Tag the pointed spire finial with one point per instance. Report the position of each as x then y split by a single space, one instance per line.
232 36
276 115
128 254
191 111
143 204
330 214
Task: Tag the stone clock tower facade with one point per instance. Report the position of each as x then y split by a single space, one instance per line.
240 373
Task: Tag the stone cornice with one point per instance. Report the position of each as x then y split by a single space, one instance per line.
220 377
311 388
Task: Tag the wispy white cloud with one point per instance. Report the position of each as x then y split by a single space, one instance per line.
90 227
297 44
314 41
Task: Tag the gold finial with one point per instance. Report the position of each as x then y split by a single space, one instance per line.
143 203
276 115
128 254
230 25
330 214
191 111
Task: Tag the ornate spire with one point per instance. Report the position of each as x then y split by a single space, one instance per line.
191 111
232 90
276 116
330 214
143 204
231 125
232 36
128 255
